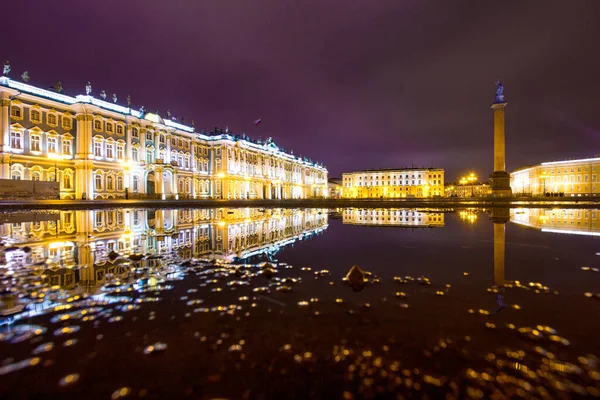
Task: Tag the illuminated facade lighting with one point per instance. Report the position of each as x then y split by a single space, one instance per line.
394 183
109 151
568 178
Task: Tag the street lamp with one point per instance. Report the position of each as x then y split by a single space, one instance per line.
544 176
56 157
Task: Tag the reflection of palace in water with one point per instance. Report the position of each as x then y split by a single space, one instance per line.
62 241
392 217
567 221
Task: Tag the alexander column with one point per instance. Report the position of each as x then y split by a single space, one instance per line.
500 178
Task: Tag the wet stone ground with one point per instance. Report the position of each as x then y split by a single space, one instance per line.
206 330
203 329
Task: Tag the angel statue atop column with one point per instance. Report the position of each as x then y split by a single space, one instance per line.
499 91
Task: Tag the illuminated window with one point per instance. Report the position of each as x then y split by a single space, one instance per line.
98 182
16 140
119 129
149 156
148 135
173 142
98 125
15 112
35 143
36 116
51 142
109 183
120 151
52 119
66 122
97 148
67 181
109 127
134 154
135 132
136 187
119 183
110 148
67 147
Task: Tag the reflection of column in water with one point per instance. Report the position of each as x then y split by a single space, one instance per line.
499 245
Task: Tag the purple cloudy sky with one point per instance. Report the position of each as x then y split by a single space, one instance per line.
353 84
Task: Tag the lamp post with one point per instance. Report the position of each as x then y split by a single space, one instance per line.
544 176
56 157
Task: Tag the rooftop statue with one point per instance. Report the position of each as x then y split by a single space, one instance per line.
103 94
114 97
25 76
58 87
129 101
6 70
88 88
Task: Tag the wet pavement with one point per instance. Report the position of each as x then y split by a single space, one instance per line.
264 303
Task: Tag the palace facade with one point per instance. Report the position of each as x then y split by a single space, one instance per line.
393 183
98 149
571 177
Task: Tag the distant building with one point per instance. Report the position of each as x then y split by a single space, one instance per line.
335 188
476 189
393 183
569 177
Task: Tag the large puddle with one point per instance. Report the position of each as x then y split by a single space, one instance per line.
262 303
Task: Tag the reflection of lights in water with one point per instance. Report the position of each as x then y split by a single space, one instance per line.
467 216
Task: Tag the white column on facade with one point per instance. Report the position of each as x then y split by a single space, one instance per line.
5 135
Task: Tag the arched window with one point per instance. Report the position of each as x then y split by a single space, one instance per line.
67 181
98 181
35 176
149 156
134 154
110 183
36 117
119 183
136 184
15 112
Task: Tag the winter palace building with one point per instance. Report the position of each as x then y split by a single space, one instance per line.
103 150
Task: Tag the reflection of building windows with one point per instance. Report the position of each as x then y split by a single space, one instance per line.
99 219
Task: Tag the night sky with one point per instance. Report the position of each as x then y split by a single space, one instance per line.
352 84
